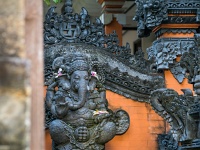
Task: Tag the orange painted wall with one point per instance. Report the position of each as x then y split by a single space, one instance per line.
172 83
145 124
114 25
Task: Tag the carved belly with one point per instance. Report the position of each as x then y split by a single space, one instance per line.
81 117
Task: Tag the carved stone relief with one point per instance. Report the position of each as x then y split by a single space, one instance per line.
81 62
182 111
76 99
151 11
149 14
175 108
165 50
119 76
66 32
191 60
167 142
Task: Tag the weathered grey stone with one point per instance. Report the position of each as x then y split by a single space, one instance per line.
12 119
14 103
12 28
13 73
14 79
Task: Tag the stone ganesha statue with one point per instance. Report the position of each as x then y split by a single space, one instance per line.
77 101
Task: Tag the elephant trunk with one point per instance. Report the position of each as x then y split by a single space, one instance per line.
82 94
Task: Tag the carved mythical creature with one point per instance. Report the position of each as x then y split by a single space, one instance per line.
149 14
174 109
77 101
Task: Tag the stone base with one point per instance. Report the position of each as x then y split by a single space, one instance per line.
190 145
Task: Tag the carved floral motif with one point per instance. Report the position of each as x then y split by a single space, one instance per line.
164 51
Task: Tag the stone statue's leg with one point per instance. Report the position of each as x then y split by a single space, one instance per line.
107 133
58 132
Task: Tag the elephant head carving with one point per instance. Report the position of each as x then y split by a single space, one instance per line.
76 98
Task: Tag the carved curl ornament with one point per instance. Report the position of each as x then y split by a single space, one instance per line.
167 142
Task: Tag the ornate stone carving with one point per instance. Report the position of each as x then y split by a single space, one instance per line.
182 111
167 142
191 60
171 30
192 4
175 109
92 41
77 28
76 99
149 14
151 11
165 50
120 77
178 72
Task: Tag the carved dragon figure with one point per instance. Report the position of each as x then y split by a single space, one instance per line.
174 109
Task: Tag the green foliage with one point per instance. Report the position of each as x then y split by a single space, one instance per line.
48 2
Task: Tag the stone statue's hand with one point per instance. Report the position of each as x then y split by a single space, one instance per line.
99 118
61 102
61 107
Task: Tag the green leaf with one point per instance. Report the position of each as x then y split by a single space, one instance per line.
57 1
47 2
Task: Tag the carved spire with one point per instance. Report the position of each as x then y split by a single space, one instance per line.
67 8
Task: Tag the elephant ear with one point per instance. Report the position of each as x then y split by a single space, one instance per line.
57 63
97 67
122 121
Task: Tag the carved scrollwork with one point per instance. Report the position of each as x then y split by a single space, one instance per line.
152 13
178 72
183 4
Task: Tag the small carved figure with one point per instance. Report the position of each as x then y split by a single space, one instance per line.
77 101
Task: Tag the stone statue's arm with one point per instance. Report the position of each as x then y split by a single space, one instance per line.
60 107
50 94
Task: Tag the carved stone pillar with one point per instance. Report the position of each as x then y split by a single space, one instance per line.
112 17
174 24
